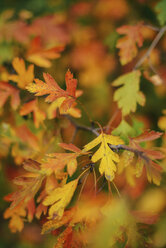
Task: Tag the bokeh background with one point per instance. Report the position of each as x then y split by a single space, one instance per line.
87 29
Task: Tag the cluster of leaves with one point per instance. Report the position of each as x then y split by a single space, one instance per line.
83 188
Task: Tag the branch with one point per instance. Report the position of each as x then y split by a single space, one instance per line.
82 127
137 152
152 46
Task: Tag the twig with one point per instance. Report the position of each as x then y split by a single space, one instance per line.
152 46
152 27
127 148
82 127
113 147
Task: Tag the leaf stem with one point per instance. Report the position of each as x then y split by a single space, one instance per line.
116 189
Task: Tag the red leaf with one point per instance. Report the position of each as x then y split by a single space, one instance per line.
147 136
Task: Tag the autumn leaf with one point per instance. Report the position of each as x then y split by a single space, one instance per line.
57 161
29 184
147 135
59 198
52 109
16 214
32 107
107 156
31 209
128 95
51 225
41 56
65 238
148 157
24 76
6 91
54 92
128 44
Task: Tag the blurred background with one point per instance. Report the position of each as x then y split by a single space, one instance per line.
87 30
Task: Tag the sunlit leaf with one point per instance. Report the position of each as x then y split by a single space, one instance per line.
107 156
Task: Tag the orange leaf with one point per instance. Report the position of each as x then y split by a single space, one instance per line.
58 161
24 76
148 135
54 92
7 90
41 56
127 44
38 115
31 209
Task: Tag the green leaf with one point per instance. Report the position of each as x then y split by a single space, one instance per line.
161 9
128 95
125 130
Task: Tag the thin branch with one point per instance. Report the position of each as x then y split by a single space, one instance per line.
82 127
152 27
152 46
135 151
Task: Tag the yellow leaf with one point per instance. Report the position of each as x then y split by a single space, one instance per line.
72 166
107 156
128 95
125 160
59 198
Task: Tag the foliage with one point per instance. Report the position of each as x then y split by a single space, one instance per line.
84 153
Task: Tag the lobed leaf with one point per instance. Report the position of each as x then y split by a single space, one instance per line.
105 154
128 95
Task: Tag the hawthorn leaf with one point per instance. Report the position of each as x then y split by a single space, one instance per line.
29 184
64 239
6 91
41 56
58 161
31 209
105 154
16 214
51 225
24 76
128 44
128 95
54 92
153 170
32 107
57 104
59 198
148 135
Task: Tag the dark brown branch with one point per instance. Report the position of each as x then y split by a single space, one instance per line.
152 46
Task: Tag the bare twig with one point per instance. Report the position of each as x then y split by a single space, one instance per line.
137 152
82 127
152 46
152 27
